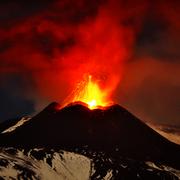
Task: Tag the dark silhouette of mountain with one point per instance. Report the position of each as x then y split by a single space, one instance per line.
112 130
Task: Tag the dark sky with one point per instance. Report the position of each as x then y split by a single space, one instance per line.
44 44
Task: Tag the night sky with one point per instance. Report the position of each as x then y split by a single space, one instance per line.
46 46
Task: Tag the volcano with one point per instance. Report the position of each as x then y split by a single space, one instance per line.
110 133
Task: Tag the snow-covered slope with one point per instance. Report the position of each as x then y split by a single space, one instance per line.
38 164
62 165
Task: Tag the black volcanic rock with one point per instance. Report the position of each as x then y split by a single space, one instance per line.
113 130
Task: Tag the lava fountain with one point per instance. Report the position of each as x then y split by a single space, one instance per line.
89 92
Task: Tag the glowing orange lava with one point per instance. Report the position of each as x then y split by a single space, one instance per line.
89 92
92 95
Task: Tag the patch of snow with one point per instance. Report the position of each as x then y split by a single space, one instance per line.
163 168
18 124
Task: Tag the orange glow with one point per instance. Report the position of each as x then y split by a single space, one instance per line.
93 95
89 92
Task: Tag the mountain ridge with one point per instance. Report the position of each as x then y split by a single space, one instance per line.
112 129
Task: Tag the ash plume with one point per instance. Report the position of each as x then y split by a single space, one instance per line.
50 45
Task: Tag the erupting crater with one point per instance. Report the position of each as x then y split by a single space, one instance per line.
88 91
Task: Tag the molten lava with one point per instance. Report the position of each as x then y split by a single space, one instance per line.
89 92
92 95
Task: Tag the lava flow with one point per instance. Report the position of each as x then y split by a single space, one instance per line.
89 92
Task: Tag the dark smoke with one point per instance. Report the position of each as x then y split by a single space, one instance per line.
151 81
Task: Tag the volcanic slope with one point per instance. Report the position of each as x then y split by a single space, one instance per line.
112 130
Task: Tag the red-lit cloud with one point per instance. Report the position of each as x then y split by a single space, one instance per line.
57 46
52 44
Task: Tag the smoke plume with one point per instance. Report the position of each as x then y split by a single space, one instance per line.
130 47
